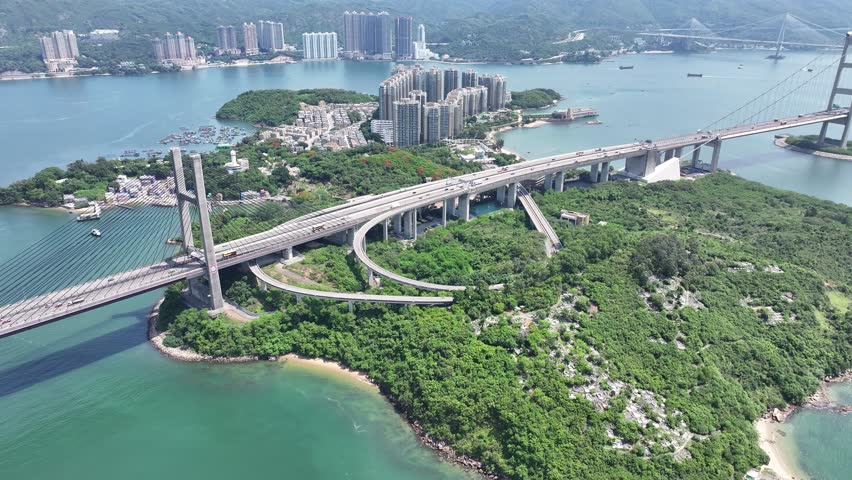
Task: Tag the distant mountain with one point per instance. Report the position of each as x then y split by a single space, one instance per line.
446 20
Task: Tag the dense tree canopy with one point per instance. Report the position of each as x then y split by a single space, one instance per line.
511 387
535 98
278 107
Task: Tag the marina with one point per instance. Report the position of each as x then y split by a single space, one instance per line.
204 135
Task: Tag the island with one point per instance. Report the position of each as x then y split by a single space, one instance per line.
534 98
646 348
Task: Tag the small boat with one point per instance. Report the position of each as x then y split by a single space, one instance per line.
594 122
810 69
740 67
95 232
625 67
694 75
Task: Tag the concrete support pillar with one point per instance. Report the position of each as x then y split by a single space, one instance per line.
548 182
217 301
411 224
717 149
385 229
560 181
350 236
444 212
397 224
668 155
696 157
501 195
651 160
635 165
604 172
464 207
287 253
844 139
823 132
350 307
593 173
261 285
512 195
678 152
843 65
182 203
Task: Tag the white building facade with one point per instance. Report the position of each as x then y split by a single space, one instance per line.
320 45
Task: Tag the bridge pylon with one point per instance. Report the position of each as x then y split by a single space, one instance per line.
839 89
185 200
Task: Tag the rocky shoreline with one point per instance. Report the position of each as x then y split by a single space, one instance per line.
782 142
821 399
156 339
780 465
444 451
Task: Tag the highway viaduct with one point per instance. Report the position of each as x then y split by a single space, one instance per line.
393 211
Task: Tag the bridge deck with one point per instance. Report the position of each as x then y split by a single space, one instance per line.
539 221
347 297
363 211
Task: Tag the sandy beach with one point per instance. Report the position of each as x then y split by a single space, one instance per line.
780 463
329 367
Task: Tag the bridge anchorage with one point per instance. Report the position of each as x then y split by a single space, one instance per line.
71 271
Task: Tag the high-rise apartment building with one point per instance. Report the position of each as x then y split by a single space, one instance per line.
431 124
226 40
406 131
435 85
443 103
270 36
452 79
469 78
159 50
320 46
177 48
396 87
59 46
368 35
250 45
496 85
404 43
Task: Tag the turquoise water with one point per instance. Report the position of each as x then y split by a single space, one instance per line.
88 397
820 439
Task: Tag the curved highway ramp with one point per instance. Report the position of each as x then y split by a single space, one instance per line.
539 221
343 296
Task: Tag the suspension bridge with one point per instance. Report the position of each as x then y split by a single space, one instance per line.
71 271
777 32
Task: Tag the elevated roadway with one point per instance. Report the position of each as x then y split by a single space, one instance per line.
345 296
539 221
357 217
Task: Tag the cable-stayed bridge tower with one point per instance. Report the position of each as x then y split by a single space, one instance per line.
842 87
185 200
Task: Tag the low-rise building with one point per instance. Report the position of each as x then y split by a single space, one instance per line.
577 218
236 165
